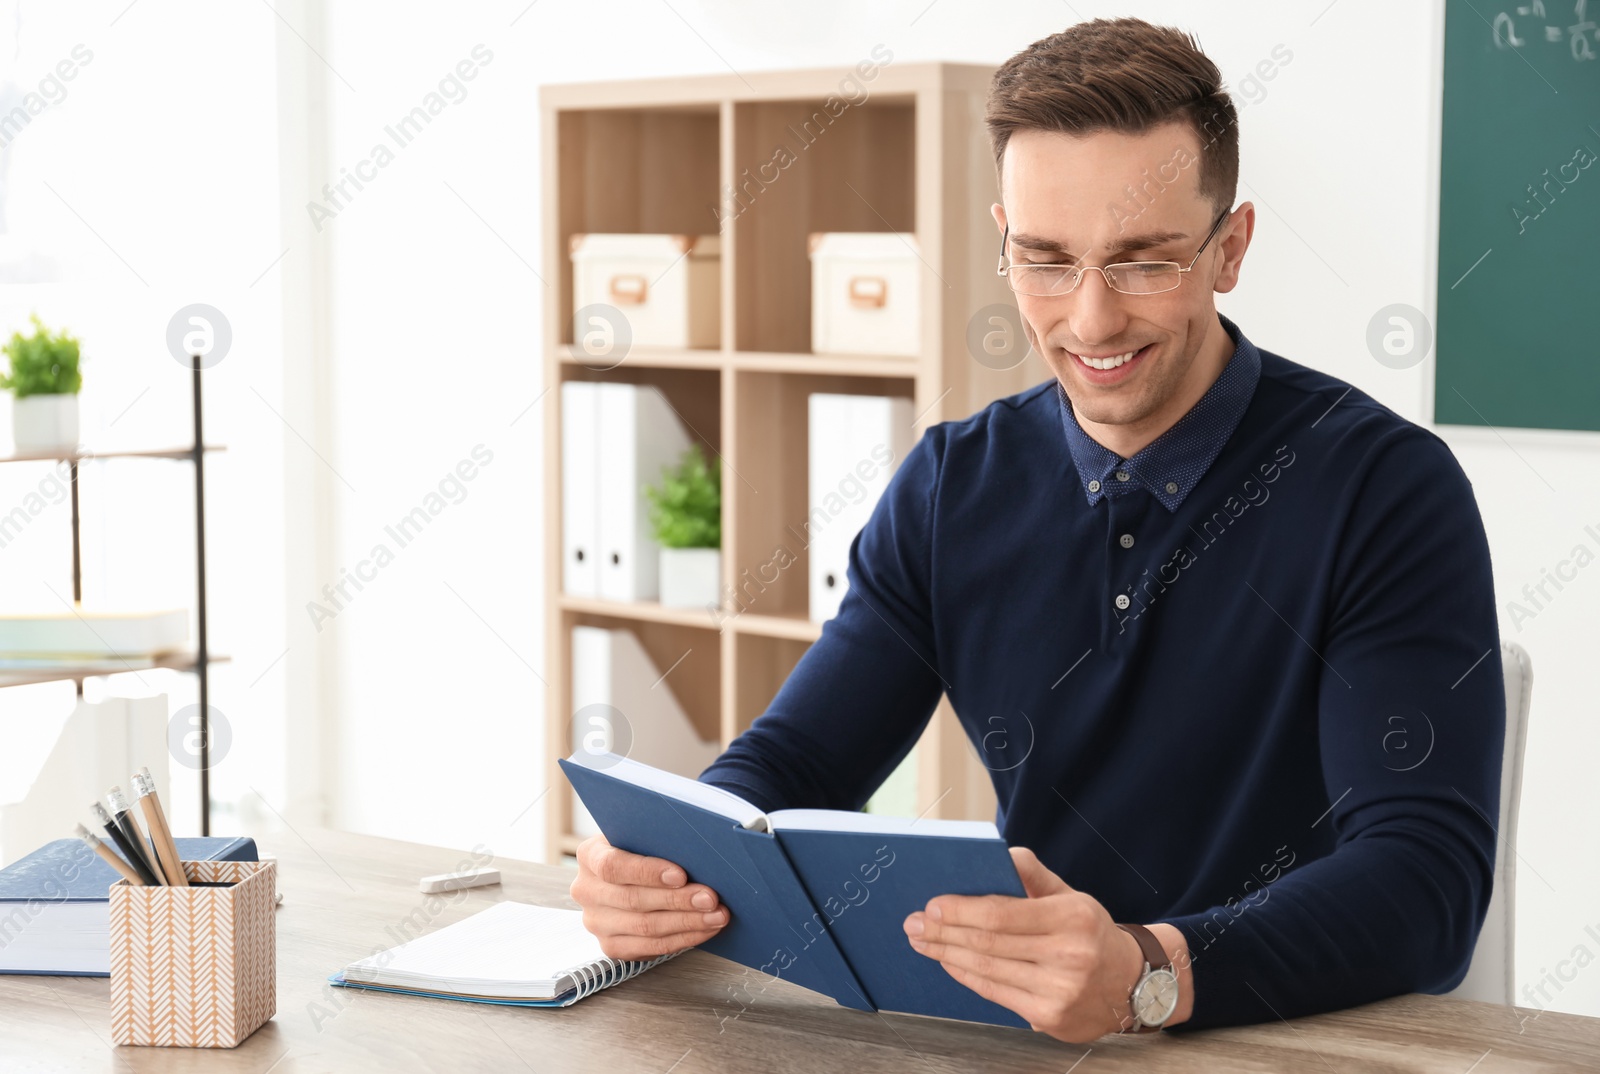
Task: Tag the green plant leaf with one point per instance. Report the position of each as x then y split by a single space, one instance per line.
686 505
41 364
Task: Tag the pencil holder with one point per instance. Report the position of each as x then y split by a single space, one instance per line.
195 967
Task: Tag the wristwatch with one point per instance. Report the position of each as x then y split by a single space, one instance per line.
1155 996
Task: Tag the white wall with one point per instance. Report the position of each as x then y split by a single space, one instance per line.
433 322
431 363
150 184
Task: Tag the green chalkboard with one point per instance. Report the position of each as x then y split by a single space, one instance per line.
1519 216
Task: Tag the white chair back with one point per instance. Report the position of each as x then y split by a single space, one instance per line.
1490 977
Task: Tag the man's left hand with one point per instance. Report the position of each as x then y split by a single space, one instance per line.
1055 958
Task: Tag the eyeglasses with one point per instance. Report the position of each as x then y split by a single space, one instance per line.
1128 277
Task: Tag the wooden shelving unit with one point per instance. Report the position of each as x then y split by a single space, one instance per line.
686 156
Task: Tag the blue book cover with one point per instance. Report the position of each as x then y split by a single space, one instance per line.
770 927
58 899
866 883
821 894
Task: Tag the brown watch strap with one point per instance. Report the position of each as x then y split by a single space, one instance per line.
1155 955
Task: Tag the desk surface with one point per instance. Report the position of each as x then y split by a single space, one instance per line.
347 895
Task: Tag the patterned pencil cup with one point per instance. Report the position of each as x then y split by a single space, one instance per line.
195 967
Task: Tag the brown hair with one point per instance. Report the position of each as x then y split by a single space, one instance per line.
1122 75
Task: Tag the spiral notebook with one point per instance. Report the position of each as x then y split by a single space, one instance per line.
512 954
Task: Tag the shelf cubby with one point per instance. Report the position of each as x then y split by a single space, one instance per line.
687 653
854 171
694 392
768 502
639 169
683 644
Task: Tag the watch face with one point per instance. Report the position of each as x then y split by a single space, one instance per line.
1156 997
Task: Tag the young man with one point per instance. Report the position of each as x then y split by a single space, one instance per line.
1236 617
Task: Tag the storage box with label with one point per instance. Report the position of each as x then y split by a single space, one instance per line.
667 287
865 293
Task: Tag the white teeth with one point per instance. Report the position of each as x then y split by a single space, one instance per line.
1106 363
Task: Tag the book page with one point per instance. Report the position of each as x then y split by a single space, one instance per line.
702 795
838 820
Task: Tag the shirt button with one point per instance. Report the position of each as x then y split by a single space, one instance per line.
1172 488
1122 475
1094 486
1126 540
1123 602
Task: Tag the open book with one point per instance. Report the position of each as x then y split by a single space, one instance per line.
815 896
511 953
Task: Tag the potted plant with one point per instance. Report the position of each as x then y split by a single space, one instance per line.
44 382
686 516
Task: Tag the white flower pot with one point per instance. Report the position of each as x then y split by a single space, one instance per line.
690 577
44 422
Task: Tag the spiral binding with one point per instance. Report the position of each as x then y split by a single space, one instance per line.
606 972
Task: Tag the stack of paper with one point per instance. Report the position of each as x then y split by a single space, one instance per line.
78 634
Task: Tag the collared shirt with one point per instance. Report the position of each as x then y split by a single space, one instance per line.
1174 462
1268 712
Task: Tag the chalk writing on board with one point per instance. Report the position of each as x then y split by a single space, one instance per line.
1515 32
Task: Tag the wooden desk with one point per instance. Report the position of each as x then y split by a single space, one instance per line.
346 895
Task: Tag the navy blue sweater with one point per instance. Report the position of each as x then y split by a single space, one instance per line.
1285 739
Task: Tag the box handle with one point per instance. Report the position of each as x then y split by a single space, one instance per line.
868 292
629 289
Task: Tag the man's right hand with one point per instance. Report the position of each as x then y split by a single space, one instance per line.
641 907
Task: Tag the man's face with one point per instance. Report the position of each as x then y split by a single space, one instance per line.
1066 200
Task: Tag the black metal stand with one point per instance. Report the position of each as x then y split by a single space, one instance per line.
77 556
202 660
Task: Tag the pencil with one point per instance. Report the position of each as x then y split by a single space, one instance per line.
110 856
160 833
123 814
128 850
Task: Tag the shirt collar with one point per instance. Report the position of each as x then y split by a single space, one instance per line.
1172 464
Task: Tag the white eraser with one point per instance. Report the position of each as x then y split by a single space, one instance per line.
471 878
